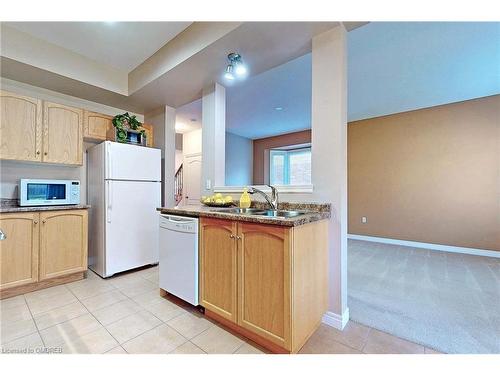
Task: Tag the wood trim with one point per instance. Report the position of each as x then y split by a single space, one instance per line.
149 134
22 289
271 346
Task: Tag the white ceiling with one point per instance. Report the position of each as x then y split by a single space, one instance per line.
188 117
119 44
392 67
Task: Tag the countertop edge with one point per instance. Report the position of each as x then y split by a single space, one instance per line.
14 209
288 222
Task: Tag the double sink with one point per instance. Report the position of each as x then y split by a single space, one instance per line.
259 212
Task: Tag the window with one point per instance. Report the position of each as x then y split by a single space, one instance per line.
290 166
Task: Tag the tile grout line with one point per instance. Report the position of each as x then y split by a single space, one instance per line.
114 338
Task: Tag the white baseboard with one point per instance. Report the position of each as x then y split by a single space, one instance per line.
336 320
429 246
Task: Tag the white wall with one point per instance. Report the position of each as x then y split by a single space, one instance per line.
12 171
239 160
27 49
191 142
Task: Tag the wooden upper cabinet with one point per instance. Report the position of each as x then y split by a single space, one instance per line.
218 265
264 281
63 243
96 125
19 250
20 127
62 134
149 134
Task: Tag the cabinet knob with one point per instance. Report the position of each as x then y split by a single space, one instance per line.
38 152
231 235
238 237
45 153
35 222
43 221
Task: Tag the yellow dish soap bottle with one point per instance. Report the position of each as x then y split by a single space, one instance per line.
245 200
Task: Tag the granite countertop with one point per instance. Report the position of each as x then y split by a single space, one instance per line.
12 205
315 212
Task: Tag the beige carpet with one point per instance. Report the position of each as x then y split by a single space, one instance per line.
446 301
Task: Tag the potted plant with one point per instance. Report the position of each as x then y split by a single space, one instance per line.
125 122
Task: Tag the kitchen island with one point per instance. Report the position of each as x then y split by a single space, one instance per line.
263 277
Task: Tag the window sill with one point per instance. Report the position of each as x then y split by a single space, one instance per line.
285 189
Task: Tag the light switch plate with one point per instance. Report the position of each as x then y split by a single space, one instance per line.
364 220
208 185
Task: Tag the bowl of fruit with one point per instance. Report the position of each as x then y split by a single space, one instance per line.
217 200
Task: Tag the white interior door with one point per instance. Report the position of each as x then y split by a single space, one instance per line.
131 224
192 179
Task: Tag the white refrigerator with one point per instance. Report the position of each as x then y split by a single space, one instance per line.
124 190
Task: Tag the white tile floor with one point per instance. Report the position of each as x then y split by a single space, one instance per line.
126 314
123 314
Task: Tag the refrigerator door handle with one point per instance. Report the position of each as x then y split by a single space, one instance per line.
110 202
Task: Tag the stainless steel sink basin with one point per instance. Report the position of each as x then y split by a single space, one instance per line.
241 211
259 212
279 213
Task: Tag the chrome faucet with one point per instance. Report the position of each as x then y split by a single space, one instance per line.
273 200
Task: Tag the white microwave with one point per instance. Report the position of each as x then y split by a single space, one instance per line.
48 192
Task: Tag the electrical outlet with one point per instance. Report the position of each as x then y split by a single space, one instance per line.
364 220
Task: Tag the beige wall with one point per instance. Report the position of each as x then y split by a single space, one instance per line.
430 175
260 161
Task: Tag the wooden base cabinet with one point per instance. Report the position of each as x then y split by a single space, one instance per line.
63 243
19 250
41 249
281 279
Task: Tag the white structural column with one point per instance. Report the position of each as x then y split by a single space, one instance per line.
329 158
169 167
213 138
163 121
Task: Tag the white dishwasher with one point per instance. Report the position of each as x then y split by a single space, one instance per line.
179 256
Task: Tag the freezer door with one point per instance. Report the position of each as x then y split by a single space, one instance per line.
131 224
130 162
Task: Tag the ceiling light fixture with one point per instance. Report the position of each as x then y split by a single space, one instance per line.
235 67
278 108
229 72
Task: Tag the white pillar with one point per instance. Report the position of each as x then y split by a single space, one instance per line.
329 157
169 167
163 121
213 138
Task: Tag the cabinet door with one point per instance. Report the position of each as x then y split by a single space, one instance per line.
149 134
96 125
63 243
218 267
62 134
20 127
264 281
19 250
